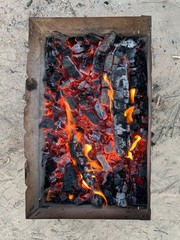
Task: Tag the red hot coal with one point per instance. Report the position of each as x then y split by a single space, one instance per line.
95 120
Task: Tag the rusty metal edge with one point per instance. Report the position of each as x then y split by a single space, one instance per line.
34 208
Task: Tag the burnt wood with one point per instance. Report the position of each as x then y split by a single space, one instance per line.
39 30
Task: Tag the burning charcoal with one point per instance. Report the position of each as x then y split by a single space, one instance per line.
117 180
84 70
119 129
46 123
104 163
124 189
59 36
121 199
59 49
109 196
55 76
58 95
109 147
104 96
63 197
69 179
108 62
118 95
120 51
116 60
93 38
78 47
131 53
51 165
96 82
133 82
100 111
86 198
129 43
98 62
49 97
120 145
97 200
142 170
83 85
92 117
107 42
51 61
71 68
96 136
72 102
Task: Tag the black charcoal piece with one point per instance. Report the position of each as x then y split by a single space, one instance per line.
104 96
98 62
119 130
121 199
92 117
71 67
120 145
109 147
118 95
59 48
107 42
96 136
51 165
72 102
51 61
46 123
131 53
86 198
108 62
120 51
69 179
88 61
117 180
49 97
101 158
97 200
59 36
100 111
78 47
119 105
129 43
55 76
93 38
67 62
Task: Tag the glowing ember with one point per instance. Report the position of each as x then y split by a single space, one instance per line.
91 133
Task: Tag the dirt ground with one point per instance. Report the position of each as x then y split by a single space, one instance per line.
165 185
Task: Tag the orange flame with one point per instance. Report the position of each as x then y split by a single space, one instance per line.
128 114
129 155
110 90
134 144
132 93
94 164
71 196
86 149
102 195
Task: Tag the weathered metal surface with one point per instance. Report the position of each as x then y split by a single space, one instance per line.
39 29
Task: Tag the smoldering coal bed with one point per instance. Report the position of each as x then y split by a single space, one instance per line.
94 124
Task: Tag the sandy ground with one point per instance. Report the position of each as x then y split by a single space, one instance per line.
165 187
